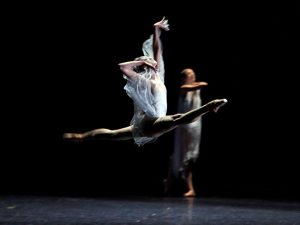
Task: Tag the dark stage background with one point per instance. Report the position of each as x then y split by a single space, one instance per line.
63 77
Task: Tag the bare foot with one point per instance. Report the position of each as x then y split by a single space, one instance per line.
190 193
218 103
72 136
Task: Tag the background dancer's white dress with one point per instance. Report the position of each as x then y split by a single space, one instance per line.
148 101
187 137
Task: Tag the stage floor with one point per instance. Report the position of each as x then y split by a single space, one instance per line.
40 210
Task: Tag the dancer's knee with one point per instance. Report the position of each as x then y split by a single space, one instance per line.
101 133
177 118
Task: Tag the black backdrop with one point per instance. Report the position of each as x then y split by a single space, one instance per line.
63 77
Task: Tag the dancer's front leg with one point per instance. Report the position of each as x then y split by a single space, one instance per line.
190 116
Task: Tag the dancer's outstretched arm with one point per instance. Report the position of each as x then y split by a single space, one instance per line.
157 45
192 87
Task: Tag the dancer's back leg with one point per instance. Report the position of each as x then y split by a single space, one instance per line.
101 134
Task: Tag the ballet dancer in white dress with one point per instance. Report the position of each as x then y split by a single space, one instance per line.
145 86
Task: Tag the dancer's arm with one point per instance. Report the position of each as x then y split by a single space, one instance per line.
128 67
192 87
157 46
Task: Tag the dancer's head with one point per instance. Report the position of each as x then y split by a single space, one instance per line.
150 62
188 76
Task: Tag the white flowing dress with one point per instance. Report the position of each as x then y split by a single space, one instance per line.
188 136
149 101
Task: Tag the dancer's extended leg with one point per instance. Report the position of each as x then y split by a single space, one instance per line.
161 125
101 134
190 116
